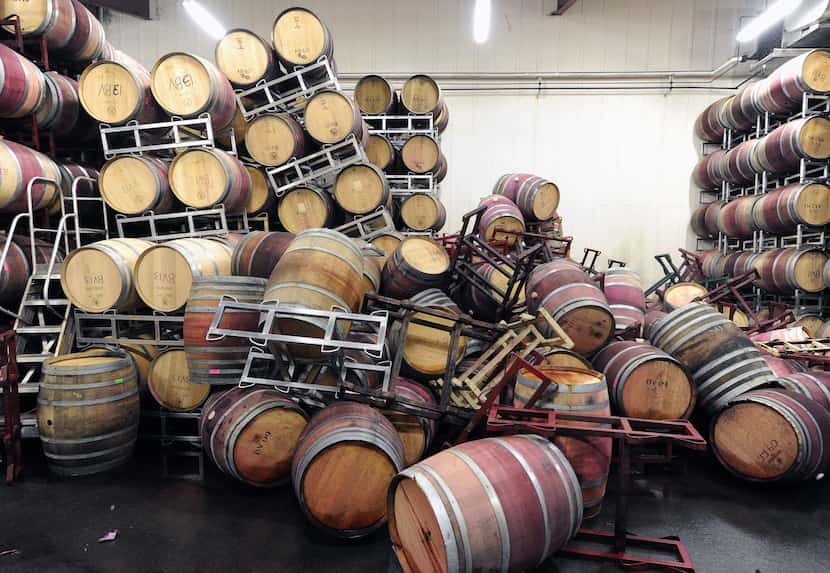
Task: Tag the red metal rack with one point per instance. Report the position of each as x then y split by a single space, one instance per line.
10 428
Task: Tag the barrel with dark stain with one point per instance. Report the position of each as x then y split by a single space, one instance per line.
498 504
708 173
258 253
418 263
345 460
781 211
416 432
783 91
536 197
814 384
773 436
251 434
782 150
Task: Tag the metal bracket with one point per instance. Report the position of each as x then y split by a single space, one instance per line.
93 328
175 134
406 185
317 166
187 224
368 226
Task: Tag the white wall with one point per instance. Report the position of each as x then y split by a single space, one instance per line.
621 159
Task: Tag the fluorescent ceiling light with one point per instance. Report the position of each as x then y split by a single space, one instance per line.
204 19
774 13
481 21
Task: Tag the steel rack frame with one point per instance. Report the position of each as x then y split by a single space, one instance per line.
288 93
190 223
178 435
402 126
368 226
413 184
317 167
95 328
141 138
10 425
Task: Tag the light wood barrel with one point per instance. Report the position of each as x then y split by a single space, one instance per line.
560 357
19 165
24 85
579 306
245 58
417 264
785 270
783 91
380 152
361 189
186 85
482 306
251 434
812 323
305 208
782 210
423 212
202 178
116 92
51 19
300 38
134 185
219 362
782 150
273 139
501 220
422 154
722 360
416 432
707 125
169 383
101 276
704 220
387 241
584 392
740 112
814 385
421 94
536 198
88 41
735 217
142 356
708 173
258 253
681 294
164 273
331 117
737 166
518 493
260 198
88 410
345 459
773 436
374 96
646 382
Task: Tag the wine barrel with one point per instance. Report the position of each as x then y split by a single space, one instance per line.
245 58
300 38
88 39
712 263
273 139
24 85
219 362
18 267
723 361
331 117
442 120
646 382
345 459
707 125
19 165
625 297
783 91
417 264
380 152
781 211
742 263
361 189
812 323
738 167
258 253
708 173
681 294
703 217
251 434
569 295
415 432
782 150
164 273
482 306
773 436
519 491
781 367
421 95
814 384
305 208
422 154
118 92
321 269
423 212
735 217
560 357
60 112
169 383
260 198
142 356
53 20
202 178
426 349
102 275
88 411
387 241
786 270
652 320
584 392
374 96
740 112
536 198
134 185
501 220
186 85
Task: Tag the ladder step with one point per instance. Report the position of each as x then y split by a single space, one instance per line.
30 388
40 276
46 302
53 329
33 358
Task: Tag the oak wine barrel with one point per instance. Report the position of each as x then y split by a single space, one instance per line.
536 198
53 20
739 165
169 383
260 198
245 58
88 40
646 382
300 38
331 117
743 263
61 113
423 212
812 323
202 178
652 320
626 299
735 217
823 331
708 173
501 220
442 120
344 462
707 125
251 434
421 94
773 436
712 263
415 432
814 384
740 112
560 357
380 152
780 212
480 304
20 165
19 266
584 392
723 361
361 188
87 411
782 150
24 85
783 91
273 139
783 367
787 270
681 294
102 275
305 208
417 264
116 92
374 96
134 185
258 253
422 154
704 220
142 356
387 241
164 273
518 493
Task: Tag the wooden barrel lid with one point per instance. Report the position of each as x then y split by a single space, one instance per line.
814 138
387 242
359 189
420 153
302 209
755 440
379 151
420 211
808 270
264 448
169 383
164 278
109 92
811 323
412 436
128 185
299 36
198 178
260 192
425 255
426 349
181 84
372 94
503 229
564 358
92 280
815 72
414 516
739 317
329 117
546 201
813 204
92 359
657 389
500 280
420 94
34 15
243 57
270 140
681 294
589 327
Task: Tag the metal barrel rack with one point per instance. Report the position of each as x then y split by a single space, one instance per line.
190 223
177 134
178 435
317 168
114 328
405 185
368 226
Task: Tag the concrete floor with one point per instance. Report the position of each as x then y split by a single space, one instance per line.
169 525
